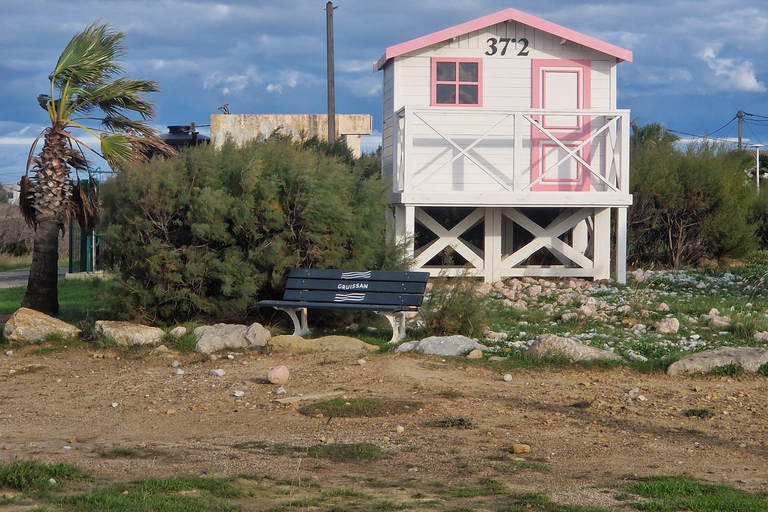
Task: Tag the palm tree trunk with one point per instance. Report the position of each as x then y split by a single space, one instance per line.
42 287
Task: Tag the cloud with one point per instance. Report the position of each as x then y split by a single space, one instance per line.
365 87
233 83
740 74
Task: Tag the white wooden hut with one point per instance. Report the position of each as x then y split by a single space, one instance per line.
505 149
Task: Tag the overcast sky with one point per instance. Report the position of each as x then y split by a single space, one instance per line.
696 62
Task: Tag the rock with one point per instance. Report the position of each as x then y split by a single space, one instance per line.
344 344
668 326
400 429
520 448
175 364
217 373
483 289
662 307
178 331
127 333
278 374
761 336
178 371
702 362
496 336
442 346
550 345
719 322
475 354
9 352
507 377
280 391
27 325
161 350
238 394
361 362
214 338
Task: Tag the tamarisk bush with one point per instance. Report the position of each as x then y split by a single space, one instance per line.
211 232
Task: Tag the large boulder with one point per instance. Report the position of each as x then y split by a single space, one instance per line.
702 362
550 345
127 333
213 338
290 343
456 345
27 325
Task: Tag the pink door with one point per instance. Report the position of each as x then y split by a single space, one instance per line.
560 84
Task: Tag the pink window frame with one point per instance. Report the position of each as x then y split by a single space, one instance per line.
434 82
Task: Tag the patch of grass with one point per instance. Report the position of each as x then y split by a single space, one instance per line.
119 452
454 422
728 370
675 493
483 487
271 449
32 475
359 407
346 452
763 370
699 413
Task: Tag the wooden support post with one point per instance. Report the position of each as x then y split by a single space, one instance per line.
621 245
602 238
492 252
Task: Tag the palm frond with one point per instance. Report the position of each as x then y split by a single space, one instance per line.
89 58
85 204
26 201
119 148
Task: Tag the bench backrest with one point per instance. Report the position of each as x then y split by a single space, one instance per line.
381 287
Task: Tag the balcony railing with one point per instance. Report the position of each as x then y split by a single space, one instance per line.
529 156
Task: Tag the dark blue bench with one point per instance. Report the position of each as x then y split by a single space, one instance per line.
387 293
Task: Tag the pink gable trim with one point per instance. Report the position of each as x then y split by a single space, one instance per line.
500 17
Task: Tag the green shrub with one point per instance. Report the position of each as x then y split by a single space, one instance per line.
211 232
689 205
453 308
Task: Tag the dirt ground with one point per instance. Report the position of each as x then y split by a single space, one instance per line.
584 426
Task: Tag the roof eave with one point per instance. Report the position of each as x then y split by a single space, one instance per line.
500 17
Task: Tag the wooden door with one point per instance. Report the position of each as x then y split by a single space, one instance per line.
560 84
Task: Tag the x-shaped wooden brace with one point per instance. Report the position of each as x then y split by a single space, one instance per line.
463 151
446 237
571 152
548 238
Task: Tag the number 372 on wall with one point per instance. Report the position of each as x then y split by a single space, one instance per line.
499 46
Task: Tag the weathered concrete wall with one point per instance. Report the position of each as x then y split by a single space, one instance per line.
244 127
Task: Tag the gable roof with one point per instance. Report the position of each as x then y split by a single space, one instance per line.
501 17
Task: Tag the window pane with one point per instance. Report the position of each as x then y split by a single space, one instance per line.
446 72
468 71
445 94
468 95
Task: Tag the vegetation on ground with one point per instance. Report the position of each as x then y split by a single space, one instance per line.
359 407
74 490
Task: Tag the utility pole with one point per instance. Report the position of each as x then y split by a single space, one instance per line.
329 8
757 166
740 115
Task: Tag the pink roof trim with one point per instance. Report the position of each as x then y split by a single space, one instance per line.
500 17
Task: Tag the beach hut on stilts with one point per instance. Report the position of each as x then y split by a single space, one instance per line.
505 150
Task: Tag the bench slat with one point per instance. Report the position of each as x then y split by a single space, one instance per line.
356 275
343 297
367 286
335 305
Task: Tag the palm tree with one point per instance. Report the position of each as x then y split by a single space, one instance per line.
87 93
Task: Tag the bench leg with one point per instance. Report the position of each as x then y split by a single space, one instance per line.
299 317
397 321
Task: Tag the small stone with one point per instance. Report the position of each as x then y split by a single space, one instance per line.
361 362
114 404
278 374
663 307
280 391
520 448
218 372
239 393
413 470
179 371
67 447
641 398
668 326
170 411
475 354
178 332
9 352
230 357
507 377
8 496
400 429
175 364
51 481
